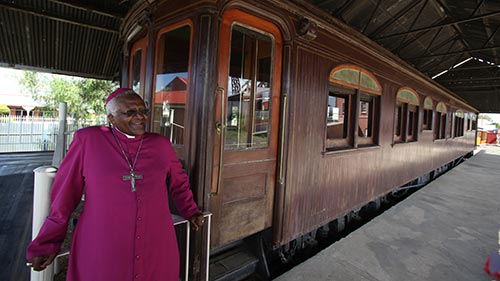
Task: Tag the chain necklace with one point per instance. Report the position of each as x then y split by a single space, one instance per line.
132 176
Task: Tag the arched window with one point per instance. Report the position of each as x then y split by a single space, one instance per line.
428 113
406 115
353 108
440 127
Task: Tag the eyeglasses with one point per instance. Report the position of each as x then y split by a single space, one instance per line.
133 112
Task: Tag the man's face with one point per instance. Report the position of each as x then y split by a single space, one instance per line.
129 117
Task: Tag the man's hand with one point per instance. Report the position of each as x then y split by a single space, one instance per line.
40 263
197 221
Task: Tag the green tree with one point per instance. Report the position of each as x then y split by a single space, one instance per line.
84 97
33 84
485 117
93 93
4 109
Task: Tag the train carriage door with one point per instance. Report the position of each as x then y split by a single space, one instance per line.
247 113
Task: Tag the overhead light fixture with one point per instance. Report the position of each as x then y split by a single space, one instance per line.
137 28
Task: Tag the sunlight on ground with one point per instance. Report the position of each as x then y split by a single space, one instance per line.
491 149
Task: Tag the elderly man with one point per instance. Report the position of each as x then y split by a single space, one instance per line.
125 231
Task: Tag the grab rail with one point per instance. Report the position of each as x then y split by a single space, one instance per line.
44 177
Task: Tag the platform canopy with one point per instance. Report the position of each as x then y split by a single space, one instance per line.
455 42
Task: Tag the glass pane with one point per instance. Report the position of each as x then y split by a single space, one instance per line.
365 116
337 116
170 95
350 76
399 118
443 126
368 82
136 72
248 98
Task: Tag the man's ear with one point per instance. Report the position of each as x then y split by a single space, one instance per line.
111 118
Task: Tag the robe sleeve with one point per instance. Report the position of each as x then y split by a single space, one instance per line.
179 186
65 195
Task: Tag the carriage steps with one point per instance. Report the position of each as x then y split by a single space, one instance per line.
237 263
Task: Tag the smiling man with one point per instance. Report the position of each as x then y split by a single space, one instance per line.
125 231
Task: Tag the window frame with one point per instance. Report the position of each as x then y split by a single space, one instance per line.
364 88
440 121
458 123
179 148
406 116
428 114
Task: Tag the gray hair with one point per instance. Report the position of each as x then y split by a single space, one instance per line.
112 105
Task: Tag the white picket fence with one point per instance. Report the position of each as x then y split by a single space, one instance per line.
29 134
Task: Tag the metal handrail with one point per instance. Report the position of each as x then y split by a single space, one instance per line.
44 177
178 220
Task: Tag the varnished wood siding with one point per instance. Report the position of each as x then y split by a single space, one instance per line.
323 186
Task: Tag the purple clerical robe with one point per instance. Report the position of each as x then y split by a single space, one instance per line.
120 235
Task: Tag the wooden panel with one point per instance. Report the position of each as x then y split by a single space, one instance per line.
253 186
242 219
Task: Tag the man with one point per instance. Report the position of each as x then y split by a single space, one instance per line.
125 231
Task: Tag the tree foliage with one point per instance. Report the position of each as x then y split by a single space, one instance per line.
84 97
4 109
485 117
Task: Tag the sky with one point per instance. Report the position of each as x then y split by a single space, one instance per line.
9 81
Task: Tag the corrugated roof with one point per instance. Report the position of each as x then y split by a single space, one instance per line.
62 36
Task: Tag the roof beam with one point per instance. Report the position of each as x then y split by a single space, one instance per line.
371 16
85 6
394 18
466 87
403 43
493 14
55 17
473 68
455 53
344 7
472 80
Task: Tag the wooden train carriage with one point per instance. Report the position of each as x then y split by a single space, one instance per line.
284 117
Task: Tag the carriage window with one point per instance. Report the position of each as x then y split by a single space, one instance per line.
440 128
427 122
400 121
449 126
337 123
353 108
171 86
367 118
459 124
248 97
137 65
136 71
473 118
406 116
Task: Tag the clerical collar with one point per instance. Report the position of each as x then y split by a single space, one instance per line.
127 135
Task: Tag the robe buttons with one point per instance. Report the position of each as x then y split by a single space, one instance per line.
138 237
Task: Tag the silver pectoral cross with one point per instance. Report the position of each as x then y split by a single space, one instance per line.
132 177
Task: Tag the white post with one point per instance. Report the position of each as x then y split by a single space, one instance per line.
44 176
61 137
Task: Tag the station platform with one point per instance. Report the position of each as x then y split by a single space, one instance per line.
444 231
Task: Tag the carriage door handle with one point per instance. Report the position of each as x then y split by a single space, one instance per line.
219 127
